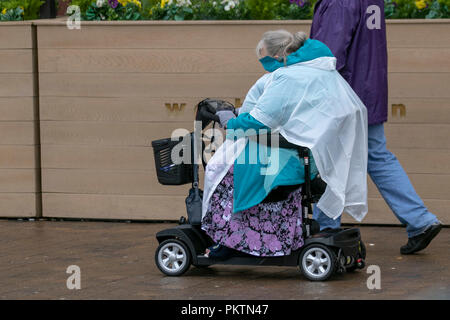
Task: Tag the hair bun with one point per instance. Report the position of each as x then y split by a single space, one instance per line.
299 39
280 43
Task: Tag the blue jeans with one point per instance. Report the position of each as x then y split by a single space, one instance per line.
393 184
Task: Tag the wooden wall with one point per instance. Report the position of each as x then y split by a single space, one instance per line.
18 140
104 92
103 96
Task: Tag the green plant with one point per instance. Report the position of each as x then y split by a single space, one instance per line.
172 10
262 9
227 9
198 10
416 9
30 7
83 4
11 14
114 10
295 10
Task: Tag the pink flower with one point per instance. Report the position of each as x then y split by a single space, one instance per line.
254 223
253 240
271 242
268 227
234 226
233 240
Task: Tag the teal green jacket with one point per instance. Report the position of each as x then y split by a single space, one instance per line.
251 185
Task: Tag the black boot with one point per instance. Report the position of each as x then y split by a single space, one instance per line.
422 240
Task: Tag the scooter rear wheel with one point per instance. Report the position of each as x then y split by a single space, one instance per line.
173 257
317 262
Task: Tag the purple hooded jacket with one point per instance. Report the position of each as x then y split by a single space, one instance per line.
355 31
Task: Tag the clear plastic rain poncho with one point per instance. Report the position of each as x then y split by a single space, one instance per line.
311 105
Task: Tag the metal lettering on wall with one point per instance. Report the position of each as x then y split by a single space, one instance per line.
399 110
175 107
237 102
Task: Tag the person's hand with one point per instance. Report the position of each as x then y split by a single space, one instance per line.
224 116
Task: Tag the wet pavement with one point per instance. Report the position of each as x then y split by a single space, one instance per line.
116 261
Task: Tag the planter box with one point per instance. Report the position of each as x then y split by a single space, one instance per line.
106 91
19 173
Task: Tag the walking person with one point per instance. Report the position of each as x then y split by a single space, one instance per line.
355 31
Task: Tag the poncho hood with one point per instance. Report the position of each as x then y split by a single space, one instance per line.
311 49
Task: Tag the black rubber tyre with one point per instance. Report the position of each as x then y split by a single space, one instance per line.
318 262
172 257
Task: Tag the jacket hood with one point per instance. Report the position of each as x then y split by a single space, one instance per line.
311 50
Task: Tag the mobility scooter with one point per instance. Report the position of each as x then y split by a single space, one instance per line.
323 253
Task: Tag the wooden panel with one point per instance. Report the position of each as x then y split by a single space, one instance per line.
419 85
159 35
218 34
427 136
380 213
148 60
427 186
107 182
17 204
12 132
141 158
402 85
419 59
169 207
145 84
108 133
141 133
208 60
97 127
123 109
17 127
431 110
172 207
94 157
418 34
18 36
17 108
17 180
16 85
15 157
418 160
16 61
119 109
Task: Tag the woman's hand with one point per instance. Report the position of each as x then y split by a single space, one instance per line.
224 116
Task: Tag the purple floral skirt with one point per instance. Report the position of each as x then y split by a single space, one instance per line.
267 229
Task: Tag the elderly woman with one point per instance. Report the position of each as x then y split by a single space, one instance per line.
298 99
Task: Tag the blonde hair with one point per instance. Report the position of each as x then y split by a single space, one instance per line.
280 43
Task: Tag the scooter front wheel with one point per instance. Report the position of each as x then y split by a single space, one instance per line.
317 262
173 257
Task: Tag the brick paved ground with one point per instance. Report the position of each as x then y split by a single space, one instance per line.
117 262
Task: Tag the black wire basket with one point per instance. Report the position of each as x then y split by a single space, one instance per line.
167 171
